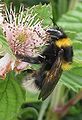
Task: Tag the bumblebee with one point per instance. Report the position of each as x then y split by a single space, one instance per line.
55 58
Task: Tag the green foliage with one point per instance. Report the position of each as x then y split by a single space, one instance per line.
27 3
1 31
34 2
4 47
11 97
28 114
43 13
74 113
60 7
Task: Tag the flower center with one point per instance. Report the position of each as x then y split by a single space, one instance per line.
22 37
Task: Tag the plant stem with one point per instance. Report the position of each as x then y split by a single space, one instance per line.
43 109
57 95
55 101
63 110
54 10
72 4
60 7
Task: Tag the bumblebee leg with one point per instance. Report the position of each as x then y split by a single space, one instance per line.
33 60
40 76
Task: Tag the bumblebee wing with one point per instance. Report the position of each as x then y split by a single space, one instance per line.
51 78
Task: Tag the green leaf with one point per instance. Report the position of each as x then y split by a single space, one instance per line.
1 31
31 97
4 46
28 113
43 13
11 98
72 79
43 108
60 7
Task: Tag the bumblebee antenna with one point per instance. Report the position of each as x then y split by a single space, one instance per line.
54 23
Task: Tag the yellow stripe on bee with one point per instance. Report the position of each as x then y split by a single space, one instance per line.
63 42
66 66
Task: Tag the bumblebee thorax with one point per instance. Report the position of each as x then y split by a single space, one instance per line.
64 42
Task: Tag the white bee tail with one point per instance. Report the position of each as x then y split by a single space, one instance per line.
29 84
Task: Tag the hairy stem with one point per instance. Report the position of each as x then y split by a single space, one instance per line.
63 110
57 98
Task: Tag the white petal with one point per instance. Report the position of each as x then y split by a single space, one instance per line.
5 64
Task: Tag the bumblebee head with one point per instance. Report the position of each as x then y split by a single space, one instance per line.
56 33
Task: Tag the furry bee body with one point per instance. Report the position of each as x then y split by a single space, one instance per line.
56 57
52 66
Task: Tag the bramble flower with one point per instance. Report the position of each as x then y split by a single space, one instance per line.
24 40
24 34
